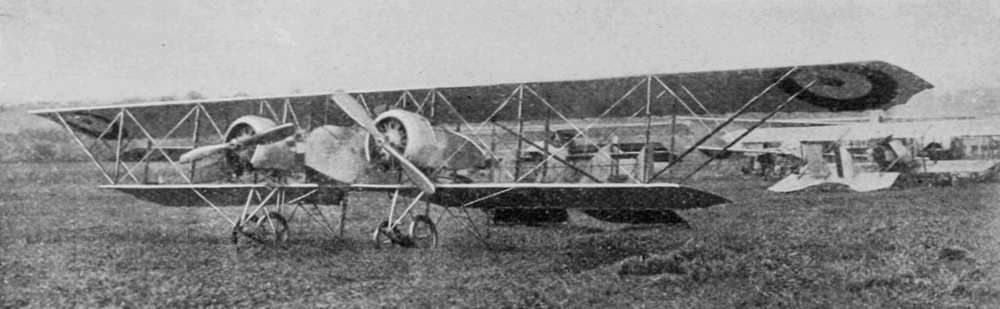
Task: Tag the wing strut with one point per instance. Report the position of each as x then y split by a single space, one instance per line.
475 131
718 128
747 132
469 226
546 151
85 149
716 120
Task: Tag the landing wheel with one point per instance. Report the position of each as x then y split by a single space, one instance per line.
378 238
423 232
384 236
271 229
244 230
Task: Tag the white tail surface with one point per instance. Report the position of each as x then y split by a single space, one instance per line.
861 182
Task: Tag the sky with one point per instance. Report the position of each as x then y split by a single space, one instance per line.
106 50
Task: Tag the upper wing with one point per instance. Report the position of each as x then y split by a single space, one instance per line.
839 87
180 118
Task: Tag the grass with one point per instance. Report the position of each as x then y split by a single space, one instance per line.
64 243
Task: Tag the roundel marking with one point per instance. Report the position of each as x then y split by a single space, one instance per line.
94 125
848 87
834 84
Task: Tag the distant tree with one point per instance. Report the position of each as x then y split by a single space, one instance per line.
240 95
194 95
132 100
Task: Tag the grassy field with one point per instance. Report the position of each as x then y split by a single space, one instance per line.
64 243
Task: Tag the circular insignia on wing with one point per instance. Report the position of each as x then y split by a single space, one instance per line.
847 87
94 125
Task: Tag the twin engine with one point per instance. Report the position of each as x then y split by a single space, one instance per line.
342 153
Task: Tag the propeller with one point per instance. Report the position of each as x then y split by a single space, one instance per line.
270 136
359 114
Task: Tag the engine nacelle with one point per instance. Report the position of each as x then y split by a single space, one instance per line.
412 135
426 146
255 123
239 159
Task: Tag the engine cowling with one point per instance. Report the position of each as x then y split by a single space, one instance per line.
239 159
426 146
412 135
256 124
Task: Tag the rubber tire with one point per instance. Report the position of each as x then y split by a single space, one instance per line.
280 224
425 220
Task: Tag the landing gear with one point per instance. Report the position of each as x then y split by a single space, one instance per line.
273 228
422 234
384 235
269 230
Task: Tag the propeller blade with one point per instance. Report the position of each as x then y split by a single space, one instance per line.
356 111
411 170
270 136
202 152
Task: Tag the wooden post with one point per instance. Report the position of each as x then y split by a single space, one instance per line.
673 128
118 145
493 150
648 153
520 133
433 103
194 138
145 173
545 141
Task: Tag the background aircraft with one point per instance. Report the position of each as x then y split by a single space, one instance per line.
871 156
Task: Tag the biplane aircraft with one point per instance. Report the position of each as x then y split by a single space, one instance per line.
463 147
872 156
